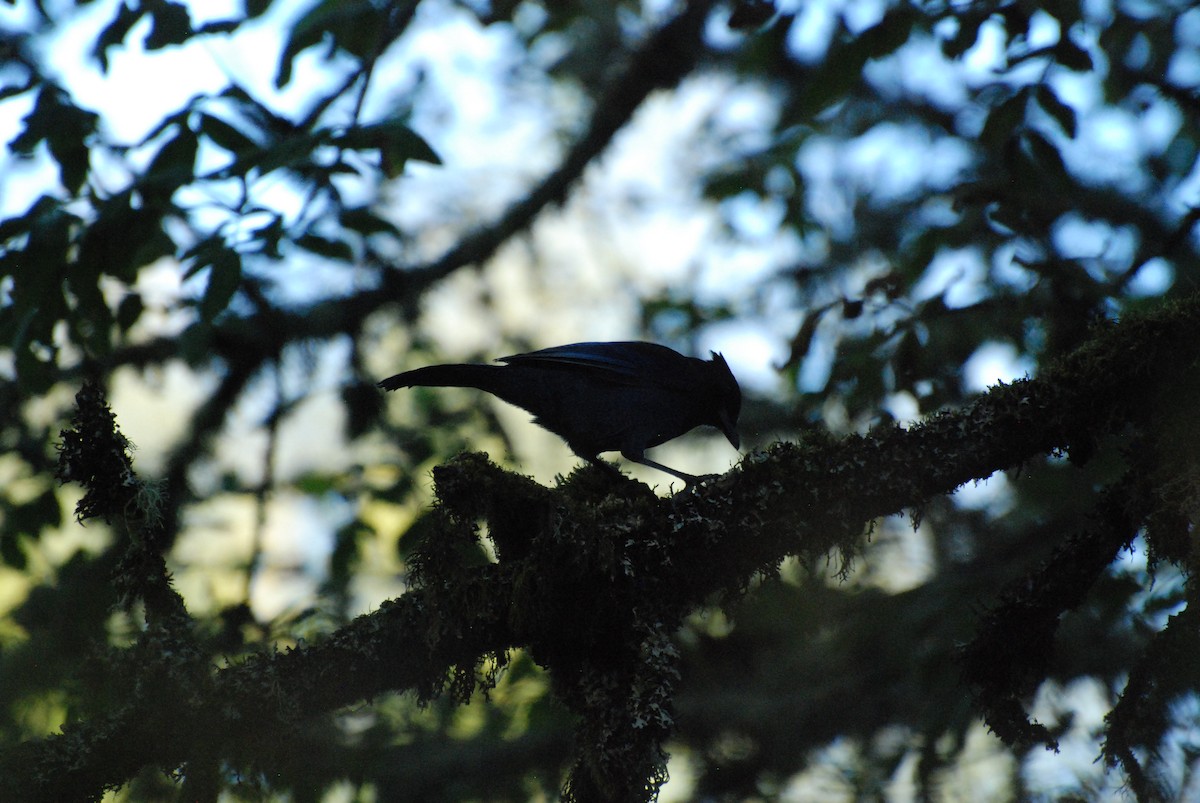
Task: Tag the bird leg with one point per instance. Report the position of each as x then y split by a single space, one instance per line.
689 481
609 467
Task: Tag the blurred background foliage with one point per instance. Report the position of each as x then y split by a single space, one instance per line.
874 209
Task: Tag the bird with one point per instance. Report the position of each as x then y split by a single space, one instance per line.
622 397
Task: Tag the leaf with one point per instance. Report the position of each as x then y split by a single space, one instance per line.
1063 114
12 551
346 554
64 128
1016 18
217 27
272 125
178 119
726 185
171 24
20 226
268 236
129 310
354 26
36 299
73 159
395 141
1040 54
90 320
749 14
40 266
177 154
842 68
965 37
225 275
1004 120
123 238
1047 159
201 255
767 49
403 145
256 8
366 222
173 165
115 32
225 136
1072 56
14 89
323 246
887 36
289 151
1181 154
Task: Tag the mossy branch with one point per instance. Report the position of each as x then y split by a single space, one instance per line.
595 574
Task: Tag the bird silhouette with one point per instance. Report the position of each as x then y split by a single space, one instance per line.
604 397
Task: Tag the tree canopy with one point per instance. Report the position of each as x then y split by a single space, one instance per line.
917 582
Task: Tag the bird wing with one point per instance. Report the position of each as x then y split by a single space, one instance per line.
622 363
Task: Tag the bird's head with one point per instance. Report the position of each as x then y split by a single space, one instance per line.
728 399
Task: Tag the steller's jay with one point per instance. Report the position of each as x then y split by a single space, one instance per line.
604 397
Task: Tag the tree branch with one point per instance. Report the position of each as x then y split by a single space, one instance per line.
591 575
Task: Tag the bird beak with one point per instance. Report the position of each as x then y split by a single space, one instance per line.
730 429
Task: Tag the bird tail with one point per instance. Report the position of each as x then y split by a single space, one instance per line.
484 377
